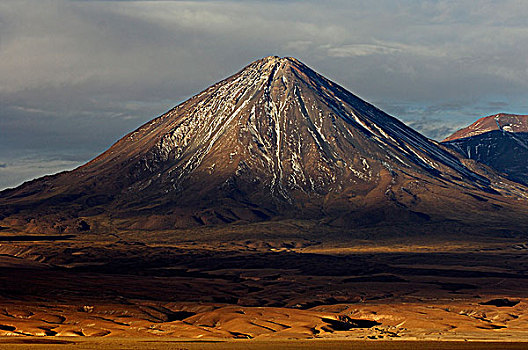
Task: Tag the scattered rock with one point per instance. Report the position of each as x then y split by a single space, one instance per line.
86 308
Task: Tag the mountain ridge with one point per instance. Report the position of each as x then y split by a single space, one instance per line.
275 140
502 121
499 141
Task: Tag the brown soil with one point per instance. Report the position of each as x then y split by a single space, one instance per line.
170 343
407 289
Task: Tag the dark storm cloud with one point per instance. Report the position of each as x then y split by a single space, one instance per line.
77 75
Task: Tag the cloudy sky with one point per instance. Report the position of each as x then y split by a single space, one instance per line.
77 75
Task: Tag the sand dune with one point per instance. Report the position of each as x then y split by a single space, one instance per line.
113 289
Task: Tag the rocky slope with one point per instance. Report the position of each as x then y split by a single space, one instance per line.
511 123
499 141
274 141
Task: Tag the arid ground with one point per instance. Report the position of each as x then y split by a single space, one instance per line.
175 344
161 288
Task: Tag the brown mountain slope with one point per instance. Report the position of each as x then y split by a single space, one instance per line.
499 141
274 141
500 122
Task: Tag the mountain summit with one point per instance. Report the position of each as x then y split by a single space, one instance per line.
512 123
499 141
275 140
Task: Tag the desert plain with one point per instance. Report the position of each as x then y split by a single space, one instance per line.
130 290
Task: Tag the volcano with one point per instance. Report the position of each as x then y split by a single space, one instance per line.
499 141
274 141
512 123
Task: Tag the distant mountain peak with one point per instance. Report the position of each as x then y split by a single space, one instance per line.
499 141
501 121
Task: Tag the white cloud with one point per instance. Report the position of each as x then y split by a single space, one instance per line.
361 50
17 171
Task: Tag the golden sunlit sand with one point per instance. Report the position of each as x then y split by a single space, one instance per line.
409 289
178 344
